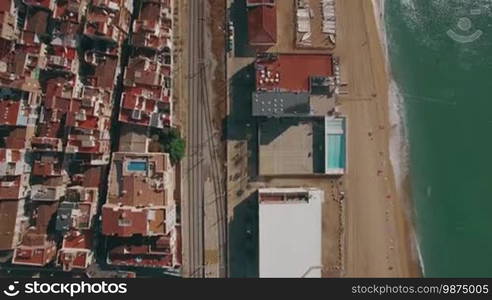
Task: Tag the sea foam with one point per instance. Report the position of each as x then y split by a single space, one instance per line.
398 144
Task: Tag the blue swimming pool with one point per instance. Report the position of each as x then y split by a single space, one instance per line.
137 166
336 151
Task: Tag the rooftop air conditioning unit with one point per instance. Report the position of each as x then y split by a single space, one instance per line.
137 115
89 102
88 144
81 116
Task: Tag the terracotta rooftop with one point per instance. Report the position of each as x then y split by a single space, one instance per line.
113 4
155 252
128 221
104 69
65 33
62 57
36 24
262 25
290 72
52 128
107 19
78 209
44 213
35 250
46 167
71 259
87 144
139 106
11 188
43 3
11 155
46 143
153 28
76 250
67 10
9 112
142 71
5 5
58 87
140 179
18 137
77 240
92 177
8 218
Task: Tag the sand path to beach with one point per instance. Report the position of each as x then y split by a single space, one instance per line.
378 233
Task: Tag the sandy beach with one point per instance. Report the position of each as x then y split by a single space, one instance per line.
378 233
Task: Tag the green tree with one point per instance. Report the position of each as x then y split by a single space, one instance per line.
176 149
172 143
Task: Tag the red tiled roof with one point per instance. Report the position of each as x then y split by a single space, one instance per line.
262 25
129 101
148 254
87 209
14 155
17 138
46 143
57 87
126 117
110 26
8 217
35 249
148 101
92 177
100 146
10 188
123 221
44 213
78 240
46 168
43 3
151 20
52 128
104 72
5 5
9 112
37 22
67 10
139 192
150 11
142 71
73 259
294 71
5 46
68 29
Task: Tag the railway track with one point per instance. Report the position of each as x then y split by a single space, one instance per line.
203 161
194 150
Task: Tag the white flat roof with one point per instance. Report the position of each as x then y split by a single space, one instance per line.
290 236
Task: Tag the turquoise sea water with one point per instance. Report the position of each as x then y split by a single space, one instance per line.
446 86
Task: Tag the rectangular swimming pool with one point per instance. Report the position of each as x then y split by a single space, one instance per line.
336 151
335 146
137 166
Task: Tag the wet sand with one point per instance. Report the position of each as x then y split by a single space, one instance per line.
378 233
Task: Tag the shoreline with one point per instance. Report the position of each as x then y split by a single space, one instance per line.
398 139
